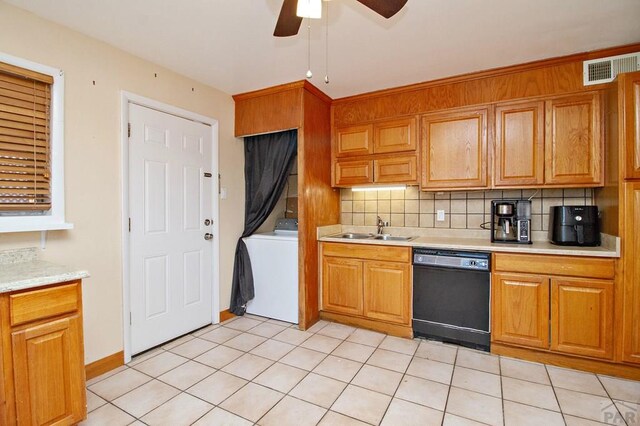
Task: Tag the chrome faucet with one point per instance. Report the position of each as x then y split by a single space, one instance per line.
381 224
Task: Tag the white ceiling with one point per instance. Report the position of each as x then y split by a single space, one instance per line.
228 44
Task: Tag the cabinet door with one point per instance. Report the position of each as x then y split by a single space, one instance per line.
519 145
582 317
342 285
49 373
387 291
632 124
631 321
521 310
395 136
353 140
454 150
396 170
350 173
573 140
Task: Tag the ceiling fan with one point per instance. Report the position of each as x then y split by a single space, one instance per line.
289 22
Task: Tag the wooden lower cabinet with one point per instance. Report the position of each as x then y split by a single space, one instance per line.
521 314
582 317
342 285
552 304
371 282
43 359
387 293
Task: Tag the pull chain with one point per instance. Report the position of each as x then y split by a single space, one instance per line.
309 73
326 55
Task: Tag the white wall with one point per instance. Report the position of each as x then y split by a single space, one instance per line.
93 158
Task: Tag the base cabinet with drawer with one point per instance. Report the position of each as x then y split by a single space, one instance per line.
43 356
370 283
558 304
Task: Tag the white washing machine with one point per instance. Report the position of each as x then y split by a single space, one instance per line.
274 262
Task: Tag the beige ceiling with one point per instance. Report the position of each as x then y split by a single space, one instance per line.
228 44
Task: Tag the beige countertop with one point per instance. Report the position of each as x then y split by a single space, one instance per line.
21 269
468 240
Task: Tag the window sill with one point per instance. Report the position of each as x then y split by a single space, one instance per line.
32 225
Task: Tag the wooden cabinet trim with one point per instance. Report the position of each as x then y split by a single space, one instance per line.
43 303
631 277
368 251
527 151
587 267
404 139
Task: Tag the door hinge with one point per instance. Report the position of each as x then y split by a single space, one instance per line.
129 130
219 178
129 224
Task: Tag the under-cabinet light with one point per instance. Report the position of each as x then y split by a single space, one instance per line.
379 188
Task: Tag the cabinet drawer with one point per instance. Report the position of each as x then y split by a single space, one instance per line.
354 140
368 252
587 267
395 136
44 303
354 172
396 170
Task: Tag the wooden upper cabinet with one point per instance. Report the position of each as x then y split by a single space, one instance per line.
454 149
519 144
387 291
49 373
631 321
396 169
632 124
521 310
582 317
342 285
357 172
353 141
574 141
395 136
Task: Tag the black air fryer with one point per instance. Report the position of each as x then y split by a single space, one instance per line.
574 226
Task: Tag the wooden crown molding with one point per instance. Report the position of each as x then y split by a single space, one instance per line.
495 72
300 84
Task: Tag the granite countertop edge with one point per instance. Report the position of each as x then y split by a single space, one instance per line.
36 273
538 247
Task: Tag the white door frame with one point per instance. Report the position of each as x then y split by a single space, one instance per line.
127 98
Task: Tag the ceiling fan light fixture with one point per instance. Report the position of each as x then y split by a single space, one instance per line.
309 9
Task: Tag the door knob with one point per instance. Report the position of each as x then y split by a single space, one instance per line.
208 236
207 222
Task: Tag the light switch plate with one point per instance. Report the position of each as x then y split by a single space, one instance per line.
440 215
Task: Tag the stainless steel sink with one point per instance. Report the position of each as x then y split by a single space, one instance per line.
354 236
386 237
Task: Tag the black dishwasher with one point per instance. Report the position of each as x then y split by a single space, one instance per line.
451 296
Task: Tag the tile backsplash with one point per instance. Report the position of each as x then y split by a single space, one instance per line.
463 210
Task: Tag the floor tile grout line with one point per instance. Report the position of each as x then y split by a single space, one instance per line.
446 403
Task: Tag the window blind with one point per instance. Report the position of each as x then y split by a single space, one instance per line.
25 124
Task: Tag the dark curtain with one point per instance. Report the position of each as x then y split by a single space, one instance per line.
267 163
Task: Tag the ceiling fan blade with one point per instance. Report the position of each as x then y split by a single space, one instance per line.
288 22
386 8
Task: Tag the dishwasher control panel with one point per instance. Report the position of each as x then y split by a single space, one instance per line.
451 259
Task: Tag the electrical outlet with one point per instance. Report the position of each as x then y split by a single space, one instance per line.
440 215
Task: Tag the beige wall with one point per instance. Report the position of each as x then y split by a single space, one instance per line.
93 158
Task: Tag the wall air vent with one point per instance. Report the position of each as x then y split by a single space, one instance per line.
605 70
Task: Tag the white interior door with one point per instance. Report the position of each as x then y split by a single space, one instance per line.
170 200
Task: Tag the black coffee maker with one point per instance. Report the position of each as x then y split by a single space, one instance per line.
574 226
511 221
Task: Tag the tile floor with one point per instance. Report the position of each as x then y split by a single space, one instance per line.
253 370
